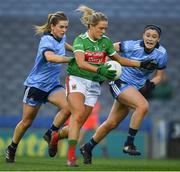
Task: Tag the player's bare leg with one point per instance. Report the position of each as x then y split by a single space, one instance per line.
117 114
133 99
29 113
51 135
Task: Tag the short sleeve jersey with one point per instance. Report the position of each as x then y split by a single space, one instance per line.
135 50
46 75
95 53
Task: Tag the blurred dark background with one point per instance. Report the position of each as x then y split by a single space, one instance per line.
127 18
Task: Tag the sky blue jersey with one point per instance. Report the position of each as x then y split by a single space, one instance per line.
46 75
135 50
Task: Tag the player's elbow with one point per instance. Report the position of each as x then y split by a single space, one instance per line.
82 65
50 60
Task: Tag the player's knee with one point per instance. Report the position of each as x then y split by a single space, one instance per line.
26 123
66 110
144 107
111 125
79 116
79 120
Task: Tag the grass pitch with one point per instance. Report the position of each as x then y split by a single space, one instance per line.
99 164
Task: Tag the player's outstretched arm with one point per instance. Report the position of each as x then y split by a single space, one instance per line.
54 58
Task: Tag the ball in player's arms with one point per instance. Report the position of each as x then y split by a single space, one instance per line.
115 66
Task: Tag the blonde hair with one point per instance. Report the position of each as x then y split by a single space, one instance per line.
90 17
52 19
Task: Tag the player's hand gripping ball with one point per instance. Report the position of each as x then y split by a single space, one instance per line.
115 66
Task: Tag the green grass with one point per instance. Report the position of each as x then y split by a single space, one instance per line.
99 164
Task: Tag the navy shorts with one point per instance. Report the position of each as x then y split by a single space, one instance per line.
34 96
117 87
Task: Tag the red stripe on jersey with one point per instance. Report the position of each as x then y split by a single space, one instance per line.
95 57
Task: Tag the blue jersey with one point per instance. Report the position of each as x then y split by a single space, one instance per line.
135 50
46 75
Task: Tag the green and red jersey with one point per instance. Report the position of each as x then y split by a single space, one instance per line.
95 53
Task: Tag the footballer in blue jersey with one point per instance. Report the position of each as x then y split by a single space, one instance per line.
43 82
131 89
45 74
137 77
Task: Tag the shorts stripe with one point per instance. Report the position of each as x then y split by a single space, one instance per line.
67 85
115 89
26 94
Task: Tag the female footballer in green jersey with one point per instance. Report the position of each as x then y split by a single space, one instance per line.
88 70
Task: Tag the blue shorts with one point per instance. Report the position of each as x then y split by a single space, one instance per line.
117 87
34 96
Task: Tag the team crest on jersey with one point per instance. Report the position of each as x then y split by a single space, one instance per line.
74 86
104 46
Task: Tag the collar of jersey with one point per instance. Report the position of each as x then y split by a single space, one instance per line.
50 34
89 37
